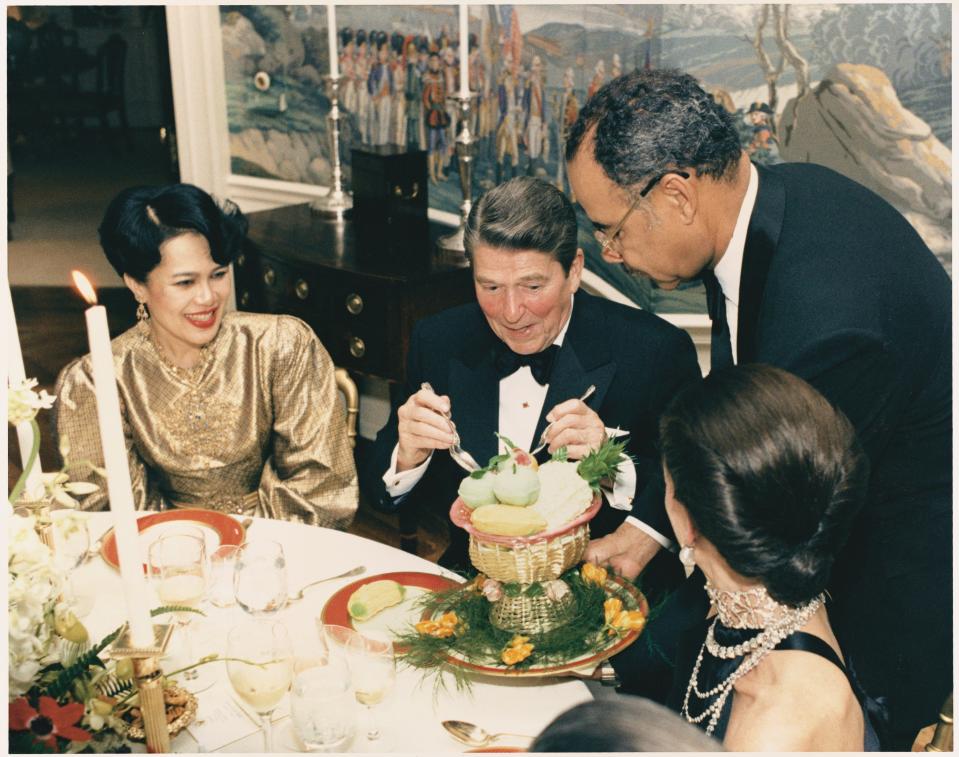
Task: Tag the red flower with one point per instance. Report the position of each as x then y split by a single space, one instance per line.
51 721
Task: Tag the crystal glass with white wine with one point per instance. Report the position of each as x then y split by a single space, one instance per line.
179 569
260 667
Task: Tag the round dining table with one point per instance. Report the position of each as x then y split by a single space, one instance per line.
410 717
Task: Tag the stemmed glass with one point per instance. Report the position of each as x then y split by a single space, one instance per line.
259 578
372 667
260 666
178 566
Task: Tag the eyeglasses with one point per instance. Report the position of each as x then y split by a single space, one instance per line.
606 239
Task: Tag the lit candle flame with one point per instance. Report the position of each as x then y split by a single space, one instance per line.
82 283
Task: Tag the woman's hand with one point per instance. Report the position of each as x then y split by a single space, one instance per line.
423 427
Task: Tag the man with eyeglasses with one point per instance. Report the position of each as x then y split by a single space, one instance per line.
811 272
519 359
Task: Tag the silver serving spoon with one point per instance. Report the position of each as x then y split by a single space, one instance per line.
460 456
358 570
542 437
474 736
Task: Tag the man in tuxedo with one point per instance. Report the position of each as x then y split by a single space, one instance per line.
811 272
515 361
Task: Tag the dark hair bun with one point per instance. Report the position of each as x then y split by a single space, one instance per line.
769 472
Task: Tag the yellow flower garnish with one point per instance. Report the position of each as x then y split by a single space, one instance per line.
611 608
440 629
516 652
594 574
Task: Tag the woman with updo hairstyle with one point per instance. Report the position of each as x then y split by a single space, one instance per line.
763 481
236 412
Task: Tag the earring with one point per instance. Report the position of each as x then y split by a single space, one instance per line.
687 556
142 313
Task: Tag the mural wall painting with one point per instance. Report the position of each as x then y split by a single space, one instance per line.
864 89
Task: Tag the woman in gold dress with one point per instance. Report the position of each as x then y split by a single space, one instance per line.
234 411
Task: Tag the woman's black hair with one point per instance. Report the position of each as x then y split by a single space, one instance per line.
140 219
770 473
624 724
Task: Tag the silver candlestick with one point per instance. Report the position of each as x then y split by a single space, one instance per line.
338 203
450 248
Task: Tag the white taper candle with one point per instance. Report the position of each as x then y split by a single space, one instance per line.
16 374
464 50
331 36
118 471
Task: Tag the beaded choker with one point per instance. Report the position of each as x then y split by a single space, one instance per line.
751 608
784 621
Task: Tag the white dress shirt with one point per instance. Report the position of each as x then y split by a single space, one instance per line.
521 399
729 269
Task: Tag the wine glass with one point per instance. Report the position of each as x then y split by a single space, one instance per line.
259 578
71 538
372 667
178 566
322 705
260 666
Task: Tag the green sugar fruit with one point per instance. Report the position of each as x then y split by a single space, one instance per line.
517 485
477 492
370 598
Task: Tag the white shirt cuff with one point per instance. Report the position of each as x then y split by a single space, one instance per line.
400 483
651 532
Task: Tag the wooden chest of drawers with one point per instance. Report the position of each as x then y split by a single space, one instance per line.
362 303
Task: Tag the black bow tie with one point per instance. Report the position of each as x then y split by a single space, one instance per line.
540 364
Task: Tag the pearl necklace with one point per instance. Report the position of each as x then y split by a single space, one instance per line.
755 649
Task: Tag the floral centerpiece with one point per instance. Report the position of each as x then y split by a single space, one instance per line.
62 695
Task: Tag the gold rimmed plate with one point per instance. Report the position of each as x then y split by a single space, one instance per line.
217 528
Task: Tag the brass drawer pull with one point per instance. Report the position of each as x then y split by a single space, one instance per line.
302 289
414 191
269 276
244 299
354 303
357 347
241 260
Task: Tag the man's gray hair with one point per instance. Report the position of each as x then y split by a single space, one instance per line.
524 214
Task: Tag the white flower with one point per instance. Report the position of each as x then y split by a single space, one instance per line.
492 590
556 589
23 402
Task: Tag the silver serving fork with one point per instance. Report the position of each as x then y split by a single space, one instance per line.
460 456
542 437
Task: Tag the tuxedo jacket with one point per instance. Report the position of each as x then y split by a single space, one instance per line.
838 288
636 360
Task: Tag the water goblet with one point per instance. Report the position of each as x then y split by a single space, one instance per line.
178 568
322 707
372 667
259 578
222 567
71 538
260 667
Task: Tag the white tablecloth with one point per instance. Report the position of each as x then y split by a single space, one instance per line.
410 717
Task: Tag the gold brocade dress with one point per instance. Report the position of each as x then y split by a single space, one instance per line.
256 427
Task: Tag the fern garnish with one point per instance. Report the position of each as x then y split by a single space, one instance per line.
602 463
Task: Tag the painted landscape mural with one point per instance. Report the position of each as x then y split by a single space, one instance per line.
862 88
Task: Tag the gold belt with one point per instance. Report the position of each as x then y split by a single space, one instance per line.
237 505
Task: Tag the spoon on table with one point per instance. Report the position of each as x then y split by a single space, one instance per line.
474 736
359 569
542 437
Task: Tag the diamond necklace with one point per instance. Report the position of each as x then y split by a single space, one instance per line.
755 650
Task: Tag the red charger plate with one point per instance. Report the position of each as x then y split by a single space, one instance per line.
227 528
335 611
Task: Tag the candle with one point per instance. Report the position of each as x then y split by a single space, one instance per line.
331 36
16 375
117 466
464 51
